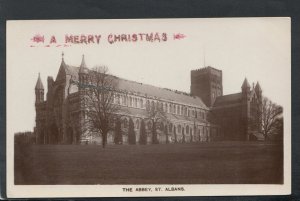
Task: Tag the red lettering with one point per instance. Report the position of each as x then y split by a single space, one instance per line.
123 37
134 37
90 39
141 36
149 37
68 39
53 39
83 39
117 38
38 38
98 37
164 37
156 37
76 39
110 39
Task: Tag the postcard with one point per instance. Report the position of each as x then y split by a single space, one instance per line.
148 107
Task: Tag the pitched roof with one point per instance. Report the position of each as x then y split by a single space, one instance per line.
257 87
39 84
228 99
245 84
161 93
83 68
149 90
136 111
73 71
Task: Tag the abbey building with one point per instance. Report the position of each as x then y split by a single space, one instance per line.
202 115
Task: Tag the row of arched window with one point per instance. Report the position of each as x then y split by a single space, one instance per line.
171 108
175 109
128 101
171 128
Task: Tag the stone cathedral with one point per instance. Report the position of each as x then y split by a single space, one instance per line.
203 115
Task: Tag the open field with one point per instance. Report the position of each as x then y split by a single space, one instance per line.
205 163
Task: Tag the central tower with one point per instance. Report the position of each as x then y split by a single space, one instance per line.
206 83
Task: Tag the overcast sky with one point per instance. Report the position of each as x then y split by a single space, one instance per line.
256 48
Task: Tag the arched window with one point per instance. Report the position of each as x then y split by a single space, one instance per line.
114 98
125 122
135 102
185 111
161 126
170 108
166 107
179 128
137 122
187 129
130 101
141 103
121 99
148 105
170 127
118 99
174 108
181 110
149 124
178 109
125 100
152 105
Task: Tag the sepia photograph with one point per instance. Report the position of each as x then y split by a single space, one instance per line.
149 107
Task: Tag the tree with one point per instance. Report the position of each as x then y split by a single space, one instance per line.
191 136
166 133
118 132
278 134
156 114
175 135
100 110
143 135
131 133
266 120
154 133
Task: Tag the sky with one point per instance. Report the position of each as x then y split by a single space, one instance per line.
256 48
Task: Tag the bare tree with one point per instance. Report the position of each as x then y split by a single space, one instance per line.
143 135
266 118
156 114
101 112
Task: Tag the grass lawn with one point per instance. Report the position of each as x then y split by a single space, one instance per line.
205 163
